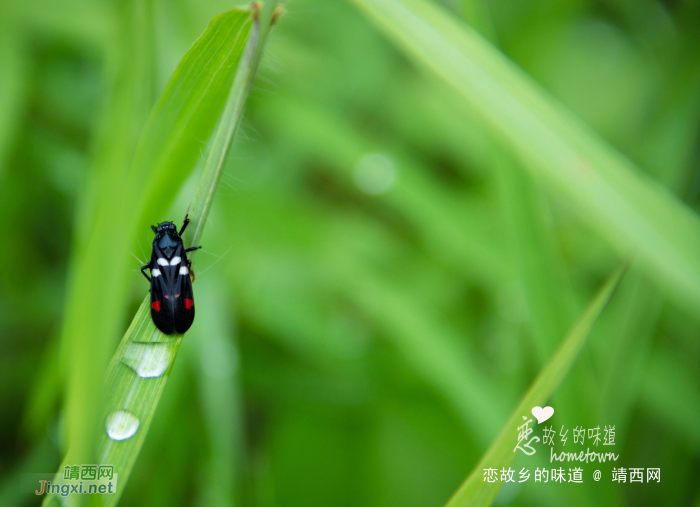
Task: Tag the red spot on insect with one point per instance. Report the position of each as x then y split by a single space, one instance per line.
156 305
189 303
167 297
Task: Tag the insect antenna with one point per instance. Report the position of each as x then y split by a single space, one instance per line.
217 260
135 257
140 247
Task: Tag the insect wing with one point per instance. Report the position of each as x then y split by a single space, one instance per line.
161 308
184 302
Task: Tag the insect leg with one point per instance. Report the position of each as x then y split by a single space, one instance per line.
184 225
143 272
193 248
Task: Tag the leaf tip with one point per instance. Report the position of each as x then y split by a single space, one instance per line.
255 8
276 15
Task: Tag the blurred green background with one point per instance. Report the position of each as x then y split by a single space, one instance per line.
374 263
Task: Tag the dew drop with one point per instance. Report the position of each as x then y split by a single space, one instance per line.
121 425
149 360
375 173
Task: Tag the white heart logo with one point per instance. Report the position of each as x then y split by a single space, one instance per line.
542 414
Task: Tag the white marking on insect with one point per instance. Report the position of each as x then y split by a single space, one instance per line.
155 272
175 261
184 270
162 261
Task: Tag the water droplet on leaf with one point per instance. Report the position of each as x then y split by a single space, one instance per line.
149 360
122 425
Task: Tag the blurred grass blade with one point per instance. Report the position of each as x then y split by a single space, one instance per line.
461 239
537 256
635 322
476 12
669 373
605 188
441 359
218 379
103 209
475 492
13 83
543 276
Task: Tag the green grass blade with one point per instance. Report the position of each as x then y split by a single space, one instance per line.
186 112
143 345
604 188
475 492
188 102
233 112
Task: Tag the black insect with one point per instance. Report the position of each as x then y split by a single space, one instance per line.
172 301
